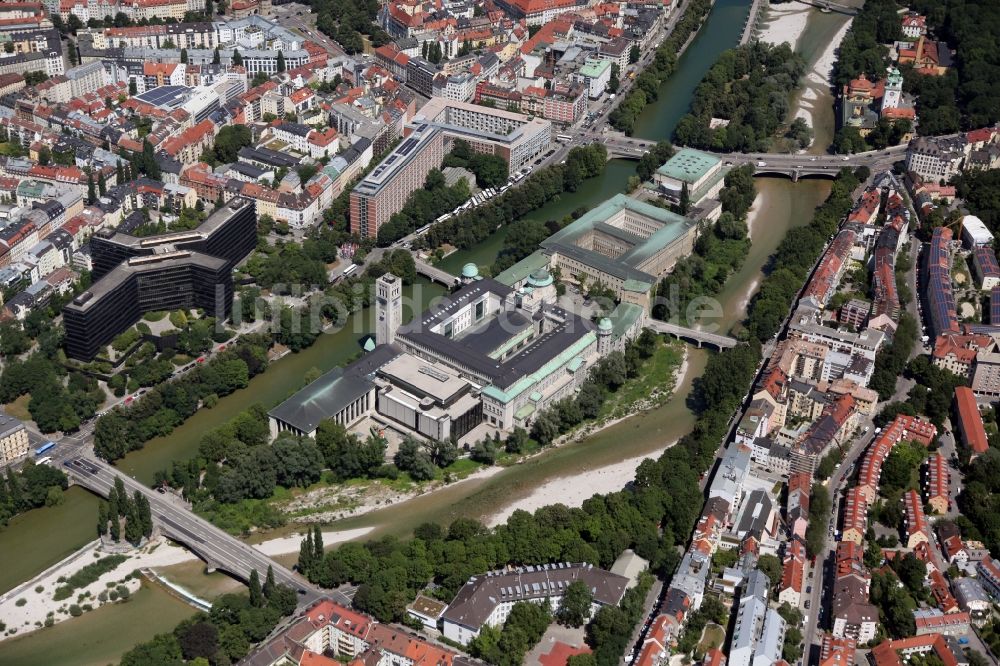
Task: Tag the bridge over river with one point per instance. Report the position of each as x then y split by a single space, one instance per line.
794 166
220 550
691 334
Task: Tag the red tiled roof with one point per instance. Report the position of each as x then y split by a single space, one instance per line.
560 654
971 420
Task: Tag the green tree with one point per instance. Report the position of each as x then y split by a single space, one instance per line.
199 640
770 565
281 61
574 607
269 585
257 599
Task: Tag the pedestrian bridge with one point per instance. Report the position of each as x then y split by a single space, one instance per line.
435 274
691 334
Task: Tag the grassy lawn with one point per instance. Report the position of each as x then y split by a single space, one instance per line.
19 408
461 468
155 316
656 374
181 359
10 149
711 637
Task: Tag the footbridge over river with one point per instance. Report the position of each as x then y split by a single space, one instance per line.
219 550
691 334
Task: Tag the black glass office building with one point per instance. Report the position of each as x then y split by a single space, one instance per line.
132 275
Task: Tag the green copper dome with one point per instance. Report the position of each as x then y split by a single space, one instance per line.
604 324
540 278
470 271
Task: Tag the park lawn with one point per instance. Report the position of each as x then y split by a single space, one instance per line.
9 149
657 372
459 469
19 408
711 637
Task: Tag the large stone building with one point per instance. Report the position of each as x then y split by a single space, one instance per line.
702 174
624 244
489 354
487 600
513 136
383 192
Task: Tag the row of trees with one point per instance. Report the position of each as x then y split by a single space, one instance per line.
647 84
719 252
164 407
225 634
124 517
749 86
891 359
473 226
795 257
424 205
32 487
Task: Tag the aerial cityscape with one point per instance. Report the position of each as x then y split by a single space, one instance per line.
471 332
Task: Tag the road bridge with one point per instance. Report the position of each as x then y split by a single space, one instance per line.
219 550
435 274
691 334
792 165
830 5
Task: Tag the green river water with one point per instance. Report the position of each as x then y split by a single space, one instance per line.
45 536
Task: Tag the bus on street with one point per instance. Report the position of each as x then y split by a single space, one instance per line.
47 446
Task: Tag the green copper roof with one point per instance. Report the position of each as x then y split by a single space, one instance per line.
575 364
522 269
470 270
626 266
604 324
594 67
369 344
637 286
540 278
623 317
688 165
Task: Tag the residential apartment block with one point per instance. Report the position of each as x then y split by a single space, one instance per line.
383 192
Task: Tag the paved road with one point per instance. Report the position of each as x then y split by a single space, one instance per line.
218 549
839 482
821 575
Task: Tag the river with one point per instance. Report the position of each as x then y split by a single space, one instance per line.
780 205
